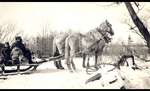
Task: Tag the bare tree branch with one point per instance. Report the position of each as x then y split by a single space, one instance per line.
137 4
133 28
109 5
7 32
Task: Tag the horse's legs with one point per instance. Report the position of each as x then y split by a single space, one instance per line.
69 67
133 61
56 64
60 65
84 59
88 64
72 63
125 59
56 52
96 57
69 64
122 61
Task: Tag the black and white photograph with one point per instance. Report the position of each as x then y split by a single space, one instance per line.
75 45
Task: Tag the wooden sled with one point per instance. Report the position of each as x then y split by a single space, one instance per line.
25 68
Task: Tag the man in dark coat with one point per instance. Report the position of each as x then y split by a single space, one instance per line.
18 43
26 52
28 55
6 54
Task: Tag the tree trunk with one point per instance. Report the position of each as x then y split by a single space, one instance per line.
142 29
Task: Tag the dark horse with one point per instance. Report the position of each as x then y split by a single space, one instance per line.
92 42
59 48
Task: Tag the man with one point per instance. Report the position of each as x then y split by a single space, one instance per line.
6 54
28 55
127 49
19 44
128 52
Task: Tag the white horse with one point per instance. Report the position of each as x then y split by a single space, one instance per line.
91 43
59 48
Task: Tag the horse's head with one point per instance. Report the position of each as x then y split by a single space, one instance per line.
106 30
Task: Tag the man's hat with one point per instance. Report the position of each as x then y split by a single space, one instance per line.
7 43
18 37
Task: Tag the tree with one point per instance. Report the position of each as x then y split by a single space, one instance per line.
141 28
8 32
43 42
139 24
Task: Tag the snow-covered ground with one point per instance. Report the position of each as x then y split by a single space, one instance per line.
48 77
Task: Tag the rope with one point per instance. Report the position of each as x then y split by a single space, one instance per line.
90 68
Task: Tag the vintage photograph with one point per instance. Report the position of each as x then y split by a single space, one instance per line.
74 45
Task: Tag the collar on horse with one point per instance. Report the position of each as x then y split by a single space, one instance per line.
104 36
95 43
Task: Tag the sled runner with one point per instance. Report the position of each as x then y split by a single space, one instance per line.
12 69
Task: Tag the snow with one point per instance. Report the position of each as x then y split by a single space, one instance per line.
48 77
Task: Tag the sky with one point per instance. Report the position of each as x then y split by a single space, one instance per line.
32 17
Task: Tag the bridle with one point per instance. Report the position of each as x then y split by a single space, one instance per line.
105 37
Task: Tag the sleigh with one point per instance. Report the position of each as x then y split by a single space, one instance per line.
25 68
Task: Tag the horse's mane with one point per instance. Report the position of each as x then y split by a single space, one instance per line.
92 35
60 38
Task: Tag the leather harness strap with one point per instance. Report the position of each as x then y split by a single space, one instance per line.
80 43
96 42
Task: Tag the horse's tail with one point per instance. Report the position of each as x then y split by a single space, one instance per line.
67 49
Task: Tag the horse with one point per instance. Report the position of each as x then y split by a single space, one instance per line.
59 47
93 42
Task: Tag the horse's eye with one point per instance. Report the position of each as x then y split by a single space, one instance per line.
110 25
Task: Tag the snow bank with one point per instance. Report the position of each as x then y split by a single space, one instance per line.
48 77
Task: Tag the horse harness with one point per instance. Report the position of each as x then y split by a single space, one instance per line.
95 43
